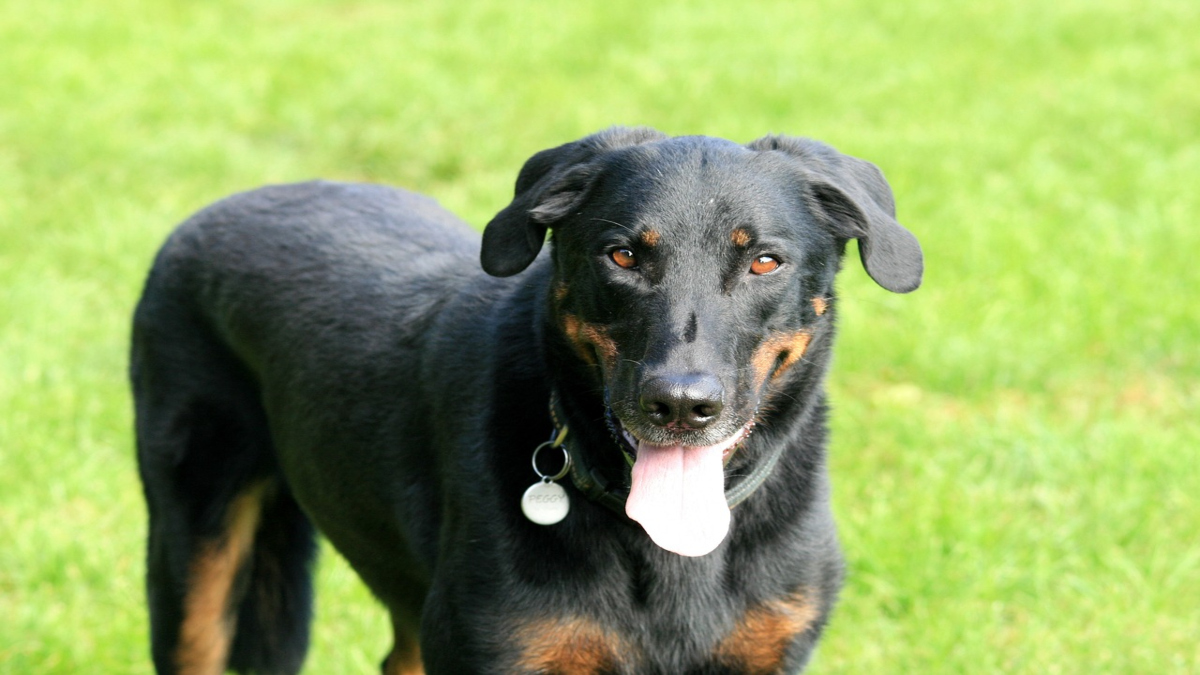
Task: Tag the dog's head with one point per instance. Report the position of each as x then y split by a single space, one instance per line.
691 277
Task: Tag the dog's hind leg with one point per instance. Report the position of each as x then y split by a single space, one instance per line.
229 551
274 606
206 632
246 595
405 657
403 599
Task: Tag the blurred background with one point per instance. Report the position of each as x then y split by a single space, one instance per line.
1015 459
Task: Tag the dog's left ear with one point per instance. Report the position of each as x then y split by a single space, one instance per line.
551 185
855 201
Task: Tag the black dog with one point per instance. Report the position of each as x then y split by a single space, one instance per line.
329 357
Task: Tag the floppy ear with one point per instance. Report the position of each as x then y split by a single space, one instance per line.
551 185
853 199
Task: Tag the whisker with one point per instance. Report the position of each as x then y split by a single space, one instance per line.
613 222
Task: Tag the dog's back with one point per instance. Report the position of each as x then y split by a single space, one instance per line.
265 316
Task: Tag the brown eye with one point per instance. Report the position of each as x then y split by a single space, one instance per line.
623 257
764 264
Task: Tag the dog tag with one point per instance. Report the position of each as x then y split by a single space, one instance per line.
545 502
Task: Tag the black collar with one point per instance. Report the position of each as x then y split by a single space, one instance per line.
612 494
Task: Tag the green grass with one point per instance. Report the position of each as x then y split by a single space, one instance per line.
1015 455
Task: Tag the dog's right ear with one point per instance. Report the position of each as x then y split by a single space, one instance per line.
551 185
851 196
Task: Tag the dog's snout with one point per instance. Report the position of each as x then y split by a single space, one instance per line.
692 400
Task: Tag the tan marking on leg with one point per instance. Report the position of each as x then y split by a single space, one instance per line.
739 237
784 349
208 620
570 646
405 658
651 238
759 642
820 305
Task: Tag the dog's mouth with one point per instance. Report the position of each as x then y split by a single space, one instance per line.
677 491
628 443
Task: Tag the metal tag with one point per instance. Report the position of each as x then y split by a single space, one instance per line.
545 502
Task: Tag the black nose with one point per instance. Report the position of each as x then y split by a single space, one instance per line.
692 400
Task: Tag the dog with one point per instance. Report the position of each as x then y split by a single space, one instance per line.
604 455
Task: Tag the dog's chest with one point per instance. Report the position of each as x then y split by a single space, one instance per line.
681 635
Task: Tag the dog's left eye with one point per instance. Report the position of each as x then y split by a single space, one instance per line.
764 264
623 257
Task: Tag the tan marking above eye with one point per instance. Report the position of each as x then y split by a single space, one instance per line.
623 257
764 264
739 237
651 238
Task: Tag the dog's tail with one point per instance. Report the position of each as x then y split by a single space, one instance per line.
228 569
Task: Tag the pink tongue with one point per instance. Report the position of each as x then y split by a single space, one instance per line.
678 495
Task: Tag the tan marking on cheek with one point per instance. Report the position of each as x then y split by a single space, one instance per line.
739 237
571 328
208 620
820 305
570 325
590 340
651 238
759 642
569 646
598 338
784 349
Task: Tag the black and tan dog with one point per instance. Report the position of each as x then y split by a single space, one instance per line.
329 357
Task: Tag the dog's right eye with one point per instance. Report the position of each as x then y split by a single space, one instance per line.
764 264
623 257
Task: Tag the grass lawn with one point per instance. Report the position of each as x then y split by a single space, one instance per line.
1015 455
